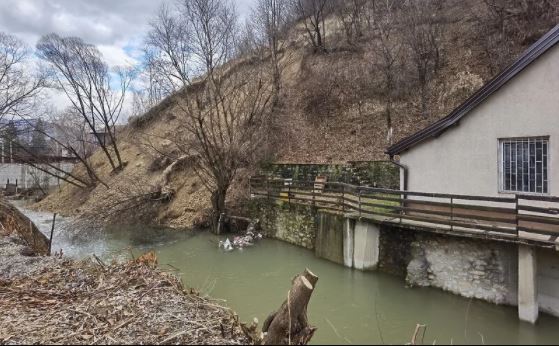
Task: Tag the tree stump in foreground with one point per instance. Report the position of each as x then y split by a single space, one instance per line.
289 325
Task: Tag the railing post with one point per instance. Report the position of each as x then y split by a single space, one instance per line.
313 193
343 199
451 213
516 213
359 195
289 192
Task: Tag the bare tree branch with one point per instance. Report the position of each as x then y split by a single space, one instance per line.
80 73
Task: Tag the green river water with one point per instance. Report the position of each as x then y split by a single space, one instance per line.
348 306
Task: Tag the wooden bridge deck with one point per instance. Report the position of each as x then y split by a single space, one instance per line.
520 219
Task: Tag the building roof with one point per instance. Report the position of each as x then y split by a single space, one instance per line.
530 55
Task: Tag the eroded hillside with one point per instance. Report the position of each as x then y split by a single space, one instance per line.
332 109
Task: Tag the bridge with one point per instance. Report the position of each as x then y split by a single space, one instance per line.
528 219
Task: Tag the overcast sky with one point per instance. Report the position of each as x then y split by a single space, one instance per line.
117 27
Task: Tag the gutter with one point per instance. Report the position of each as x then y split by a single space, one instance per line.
404 168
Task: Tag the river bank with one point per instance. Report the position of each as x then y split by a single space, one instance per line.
47 300
348 307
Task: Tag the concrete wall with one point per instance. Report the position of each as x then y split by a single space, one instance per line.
27 176
329 240
464 159
548 280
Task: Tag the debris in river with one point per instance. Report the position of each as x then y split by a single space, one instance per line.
87 302
240 242
226 245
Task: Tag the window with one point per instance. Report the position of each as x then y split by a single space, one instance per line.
524 165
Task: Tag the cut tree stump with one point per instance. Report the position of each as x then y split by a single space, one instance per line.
289 325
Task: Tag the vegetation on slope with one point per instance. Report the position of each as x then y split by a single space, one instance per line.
335 103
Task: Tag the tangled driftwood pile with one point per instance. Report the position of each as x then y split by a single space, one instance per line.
90 302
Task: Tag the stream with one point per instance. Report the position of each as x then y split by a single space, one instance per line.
348 306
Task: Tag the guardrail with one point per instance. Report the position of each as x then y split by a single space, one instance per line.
511 216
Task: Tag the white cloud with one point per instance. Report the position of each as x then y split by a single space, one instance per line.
116 56
117 27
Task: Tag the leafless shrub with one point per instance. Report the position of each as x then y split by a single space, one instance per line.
504 24
271 18
353 16
386 52
423 38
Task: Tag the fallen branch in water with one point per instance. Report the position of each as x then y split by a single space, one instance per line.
418 328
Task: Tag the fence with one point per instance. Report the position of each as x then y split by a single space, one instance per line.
518 216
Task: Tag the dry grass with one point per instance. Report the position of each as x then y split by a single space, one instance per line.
93 303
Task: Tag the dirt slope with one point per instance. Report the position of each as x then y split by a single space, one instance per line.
330 112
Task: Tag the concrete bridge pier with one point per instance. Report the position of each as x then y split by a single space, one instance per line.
349 242
528 307
361 244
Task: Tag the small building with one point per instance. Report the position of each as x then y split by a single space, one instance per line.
502 142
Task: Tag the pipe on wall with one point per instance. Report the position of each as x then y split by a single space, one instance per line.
405 172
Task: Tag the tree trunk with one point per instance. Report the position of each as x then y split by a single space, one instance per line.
218 205
289 325
276 78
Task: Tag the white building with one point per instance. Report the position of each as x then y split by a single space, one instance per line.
502 142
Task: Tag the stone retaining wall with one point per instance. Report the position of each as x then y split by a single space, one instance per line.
295 224
471 268
395 250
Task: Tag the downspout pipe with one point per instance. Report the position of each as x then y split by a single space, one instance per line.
404 169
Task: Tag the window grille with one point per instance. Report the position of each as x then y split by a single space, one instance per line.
524 165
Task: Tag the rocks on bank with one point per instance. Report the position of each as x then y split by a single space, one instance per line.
48 300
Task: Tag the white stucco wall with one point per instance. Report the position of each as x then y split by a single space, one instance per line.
27 176
464 159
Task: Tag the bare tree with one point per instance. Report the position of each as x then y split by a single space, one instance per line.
221 128
222 110
313 13
213 24
352 15
18 85
271 17
386 49
423 35
248 42
169 50
502 24
150 87
80 73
